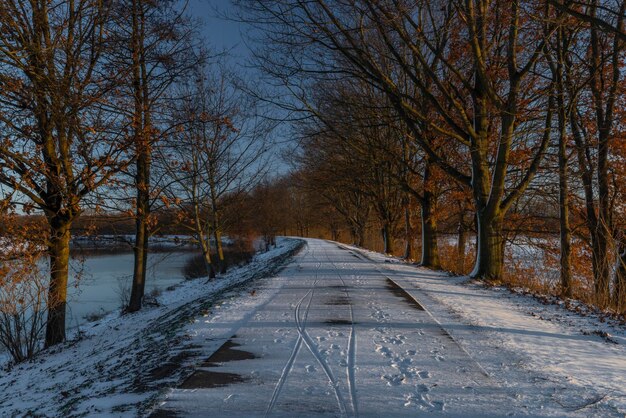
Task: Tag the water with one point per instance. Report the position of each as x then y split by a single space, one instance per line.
97 282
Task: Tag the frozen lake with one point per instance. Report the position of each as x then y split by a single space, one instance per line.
102 279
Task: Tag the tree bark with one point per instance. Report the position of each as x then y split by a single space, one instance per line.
220 250
360 237
208 262
141 235
386 235
205 243
59 249
619 291
490 247
461 244
559 70
605 92
430 248
564 224
142 130
408 247
565 230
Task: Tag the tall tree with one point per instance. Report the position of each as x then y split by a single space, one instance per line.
56 146
477 63
219 150
154 44
594 123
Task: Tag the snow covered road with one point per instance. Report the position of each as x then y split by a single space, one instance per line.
339 334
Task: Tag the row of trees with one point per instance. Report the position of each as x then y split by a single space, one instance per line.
114 105
470 105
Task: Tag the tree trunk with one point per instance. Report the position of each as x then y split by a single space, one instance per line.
619 290
208 263
334 233
489 264
358 234
220 251
601 268
430 249
461 245
564 225
605 94
388 246
141 235
59 249
408 233
142 124
360 237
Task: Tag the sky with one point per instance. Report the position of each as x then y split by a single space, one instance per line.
226 35
220 33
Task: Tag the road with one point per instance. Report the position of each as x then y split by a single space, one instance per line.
341 337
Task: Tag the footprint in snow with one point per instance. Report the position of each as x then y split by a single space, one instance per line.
310 368
383 350
411 352
421 388
334 347
423 374
417 400
394 379
397 340
401 363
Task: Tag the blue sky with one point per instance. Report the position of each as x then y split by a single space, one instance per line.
220 33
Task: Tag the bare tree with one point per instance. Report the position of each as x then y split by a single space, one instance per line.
476 63
55 148
154 47
219 150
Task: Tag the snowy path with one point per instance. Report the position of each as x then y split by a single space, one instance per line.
341 337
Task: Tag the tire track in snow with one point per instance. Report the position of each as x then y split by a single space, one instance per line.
296 348
292 357
351 355
320 360
303 336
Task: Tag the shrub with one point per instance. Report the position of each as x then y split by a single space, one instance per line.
240 252
23 288
195 267
22 310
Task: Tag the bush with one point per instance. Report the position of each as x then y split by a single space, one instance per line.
195 267
123 292
23 287
238 253
22 309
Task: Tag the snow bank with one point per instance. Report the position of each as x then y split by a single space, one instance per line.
109 367
524 341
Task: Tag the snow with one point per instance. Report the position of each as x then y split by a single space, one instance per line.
338 339
108 367
518 338
339 332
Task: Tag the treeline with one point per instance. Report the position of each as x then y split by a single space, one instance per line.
497 113
113 107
